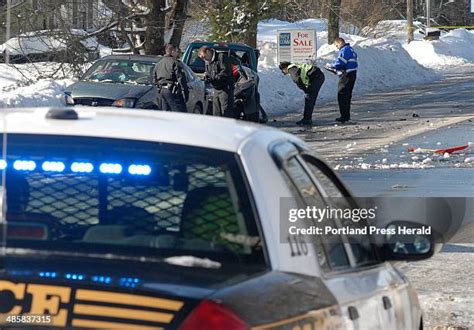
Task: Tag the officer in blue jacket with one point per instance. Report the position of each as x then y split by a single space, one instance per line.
346 67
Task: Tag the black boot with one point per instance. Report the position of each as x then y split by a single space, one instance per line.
304 122
342 120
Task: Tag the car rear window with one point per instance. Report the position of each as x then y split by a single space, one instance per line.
132 198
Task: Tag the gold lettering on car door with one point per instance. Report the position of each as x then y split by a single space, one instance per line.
18 290
47 300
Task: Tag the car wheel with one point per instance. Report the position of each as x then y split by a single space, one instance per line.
197 109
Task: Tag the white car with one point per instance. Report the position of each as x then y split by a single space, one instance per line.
164 220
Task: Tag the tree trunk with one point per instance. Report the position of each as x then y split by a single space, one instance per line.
333 20
154 24
177 20
251 35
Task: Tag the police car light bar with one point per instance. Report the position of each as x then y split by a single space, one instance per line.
77 167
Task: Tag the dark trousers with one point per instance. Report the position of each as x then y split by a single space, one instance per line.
253 117
311 94
344 93
171 101
223 102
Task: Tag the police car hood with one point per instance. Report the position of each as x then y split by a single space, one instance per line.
112 91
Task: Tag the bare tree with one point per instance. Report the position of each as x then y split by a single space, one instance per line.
65 32
154 24
334 7
176 21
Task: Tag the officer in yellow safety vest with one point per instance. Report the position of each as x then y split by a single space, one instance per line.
309 78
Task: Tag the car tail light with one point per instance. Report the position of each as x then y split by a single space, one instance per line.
209 315
18 231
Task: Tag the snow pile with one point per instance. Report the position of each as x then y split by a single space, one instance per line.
383 65
40 42
42 93
393 29
453 48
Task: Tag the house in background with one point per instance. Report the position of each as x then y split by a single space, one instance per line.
32 15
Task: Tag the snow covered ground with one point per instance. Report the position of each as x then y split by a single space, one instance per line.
23 85
384 63
445 304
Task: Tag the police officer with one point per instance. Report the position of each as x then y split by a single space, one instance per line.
171 81
309 78
346 67
219 75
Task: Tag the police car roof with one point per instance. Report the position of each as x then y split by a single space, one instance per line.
144 125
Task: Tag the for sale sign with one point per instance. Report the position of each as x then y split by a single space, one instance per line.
296 46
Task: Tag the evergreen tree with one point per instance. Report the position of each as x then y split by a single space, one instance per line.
236 20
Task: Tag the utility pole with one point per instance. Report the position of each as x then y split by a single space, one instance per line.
410 20
428 14
7 34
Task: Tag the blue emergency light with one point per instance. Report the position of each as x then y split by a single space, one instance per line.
24 165
50 166
110 168
75 277
139 169
77 167
82 167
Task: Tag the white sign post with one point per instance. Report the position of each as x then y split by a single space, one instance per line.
297 46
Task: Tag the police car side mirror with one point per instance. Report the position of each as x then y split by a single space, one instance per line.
408 241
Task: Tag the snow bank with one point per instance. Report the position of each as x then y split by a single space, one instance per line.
48 41
383 65
40 94
452 49
393 29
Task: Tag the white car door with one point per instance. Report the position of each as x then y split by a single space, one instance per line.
372 292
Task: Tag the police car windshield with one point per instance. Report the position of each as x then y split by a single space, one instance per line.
128 198
121 71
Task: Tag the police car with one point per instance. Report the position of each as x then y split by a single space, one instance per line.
146 220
